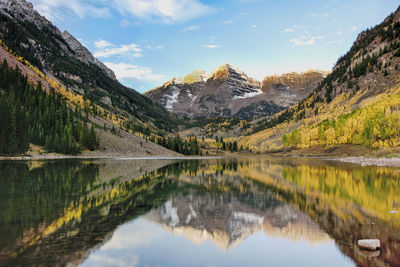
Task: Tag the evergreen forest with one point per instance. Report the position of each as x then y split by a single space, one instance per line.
31 114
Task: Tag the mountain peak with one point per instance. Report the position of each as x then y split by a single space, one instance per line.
23 10
396 16
83 54
198 75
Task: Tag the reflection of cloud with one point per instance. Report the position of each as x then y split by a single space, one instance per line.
100 260
129 236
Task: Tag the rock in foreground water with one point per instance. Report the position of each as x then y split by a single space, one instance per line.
370 244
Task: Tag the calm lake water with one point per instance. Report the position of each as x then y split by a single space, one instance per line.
209 212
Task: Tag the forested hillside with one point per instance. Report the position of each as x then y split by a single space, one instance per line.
29 114
356 104
33 38
60 96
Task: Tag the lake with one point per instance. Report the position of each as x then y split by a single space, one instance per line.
199 212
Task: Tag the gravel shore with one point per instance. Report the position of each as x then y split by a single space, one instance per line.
363 161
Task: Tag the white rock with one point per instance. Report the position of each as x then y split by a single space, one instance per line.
370 244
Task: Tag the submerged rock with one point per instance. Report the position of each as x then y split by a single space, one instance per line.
370 244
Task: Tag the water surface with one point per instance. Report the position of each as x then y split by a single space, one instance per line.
204 212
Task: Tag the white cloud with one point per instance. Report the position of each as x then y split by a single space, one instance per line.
212 46
101 44
353 28
156 47
191 28
228 21
305 41
130 71
124 23
169 11
335 42
253 27
132 50
339 32
53 9
293 28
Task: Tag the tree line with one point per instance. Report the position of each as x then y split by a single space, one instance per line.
184 146
231 146
29 114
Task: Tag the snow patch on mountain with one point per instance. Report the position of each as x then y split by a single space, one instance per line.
171 99
249 94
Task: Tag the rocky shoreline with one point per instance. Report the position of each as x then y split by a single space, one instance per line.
105 156
364 161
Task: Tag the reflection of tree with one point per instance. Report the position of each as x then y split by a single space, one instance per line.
348 202
60 211
29 199
78 217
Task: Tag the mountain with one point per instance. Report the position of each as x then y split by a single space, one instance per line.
229 92
65 61
81 93
289 88
357 104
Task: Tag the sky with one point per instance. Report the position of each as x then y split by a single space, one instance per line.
148 42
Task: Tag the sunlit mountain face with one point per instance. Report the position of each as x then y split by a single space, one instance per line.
257 211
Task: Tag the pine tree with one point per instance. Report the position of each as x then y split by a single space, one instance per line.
12 135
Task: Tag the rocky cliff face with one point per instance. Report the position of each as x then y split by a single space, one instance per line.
66 62
83 54
229 92
21 10
288 89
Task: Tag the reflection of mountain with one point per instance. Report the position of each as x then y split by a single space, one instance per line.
227 220
59 212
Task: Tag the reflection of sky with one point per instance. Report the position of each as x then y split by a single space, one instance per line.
140 243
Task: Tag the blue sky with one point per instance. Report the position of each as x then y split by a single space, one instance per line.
147 42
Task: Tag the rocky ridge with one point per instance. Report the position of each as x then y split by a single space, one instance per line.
22 10
83 54
59 56
229 92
